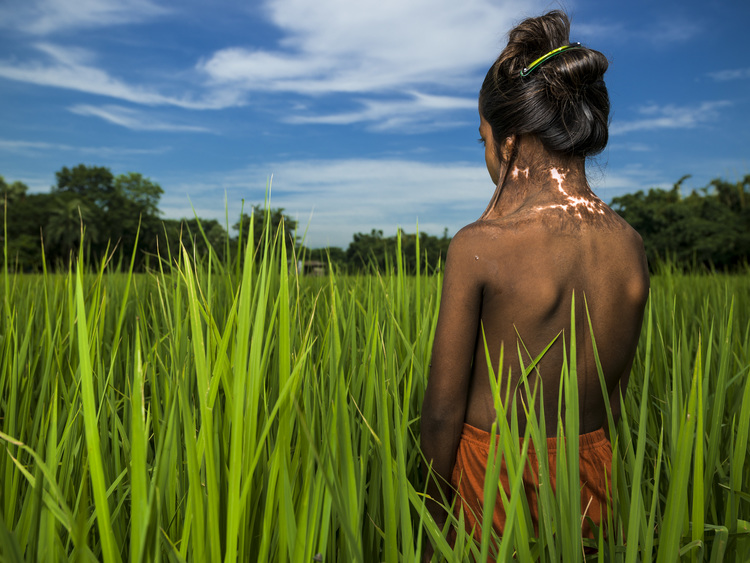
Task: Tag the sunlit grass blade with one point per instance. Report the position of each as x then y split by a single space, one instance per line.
676 509
110 552
637 515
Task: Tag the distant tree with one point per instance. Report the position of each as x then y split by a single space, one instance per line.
90 188
735 196
22 224
66 223
368 251
25 220
115 210
111 209
178 233
276 217
432 251
140 191
134 210
92 183
12 193
374 251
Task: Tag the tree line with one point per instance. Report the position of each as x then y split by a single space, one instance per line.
707 228
92 209
89 208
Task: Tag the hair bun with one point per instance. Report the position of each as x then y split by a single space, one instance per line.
563 100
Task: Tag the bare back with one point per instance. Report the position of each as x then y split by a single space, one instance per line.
528 282
510 278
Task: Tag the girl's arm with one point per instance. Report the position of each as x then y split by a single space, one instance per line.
444 406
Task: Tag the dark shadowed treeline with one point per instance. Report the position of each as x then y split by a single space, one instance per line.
710 227
106 214
374 252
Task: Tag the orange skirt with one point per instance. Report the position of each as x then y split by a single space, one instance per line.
595 454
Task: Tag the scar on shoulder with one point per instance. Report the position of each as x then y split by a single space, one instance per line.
572 203
559 177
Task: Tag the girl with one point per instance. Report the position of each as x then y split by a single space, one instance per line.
511 275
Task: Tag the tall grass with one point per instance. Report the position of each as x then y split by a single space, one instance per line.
240 412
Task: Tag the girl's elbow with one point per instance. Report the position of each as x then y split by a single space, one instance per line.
437 425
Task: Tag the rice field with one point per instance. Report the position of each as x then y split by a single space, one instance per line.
213 411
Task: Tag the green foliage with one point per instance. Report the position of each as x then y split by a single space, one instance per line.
90 206
105 214
260 220
192 414
11 193
91 183
334 254
710 227
141 192
373 252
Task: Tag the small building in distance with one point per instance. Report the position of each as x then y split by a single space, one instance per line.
311 268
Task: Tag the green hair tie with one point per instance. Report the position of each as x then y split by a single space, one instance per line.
527 69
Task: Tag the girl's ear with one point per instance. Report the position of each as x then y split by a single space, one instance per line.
506 150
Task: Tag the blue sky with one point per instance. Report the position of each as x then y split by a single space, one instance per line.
364 111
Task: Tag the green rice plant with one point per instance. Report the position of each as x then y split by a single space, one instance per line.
239 411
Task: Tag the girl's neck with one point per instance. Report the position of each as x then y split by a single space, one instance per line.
535 179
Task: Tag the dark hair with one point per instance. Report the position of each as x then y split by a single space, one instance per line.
563 101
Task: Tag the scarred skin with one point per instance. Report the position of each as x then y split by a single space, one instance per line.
543 237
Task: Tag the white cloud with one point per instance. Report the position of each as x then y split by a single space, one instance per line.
43 17
370 46
627 180
669 117
35 147
730 74
395 59
417 114
132 119
401 63
72 68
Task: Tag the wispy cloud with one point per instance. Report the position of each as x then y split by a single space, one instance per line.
132 119
416 114
671 30
42 17
661 32
730 74
73 69
632 147
35 147
669 117
587 31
